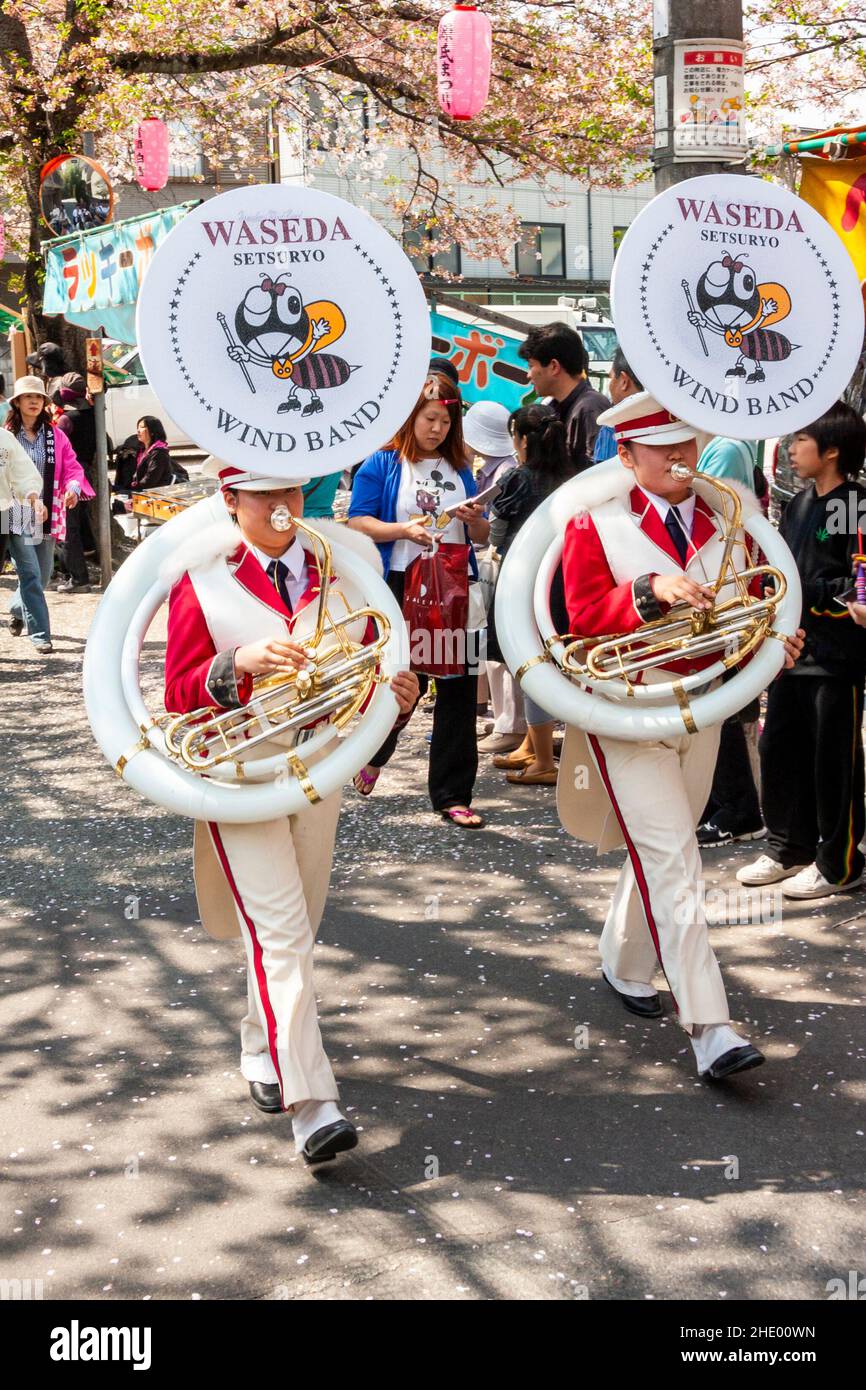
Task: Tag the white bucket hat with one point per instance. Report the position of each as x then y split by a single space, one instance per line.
242 480
29 386
485 429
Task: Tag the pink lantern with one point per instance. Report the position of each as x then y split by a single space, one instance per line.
151 154
463 62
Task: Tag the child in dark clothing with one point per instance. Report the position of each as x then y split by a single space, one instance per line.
811 748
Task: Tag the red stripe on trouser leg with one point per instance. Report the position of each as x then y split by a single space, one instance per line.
258 962
637 867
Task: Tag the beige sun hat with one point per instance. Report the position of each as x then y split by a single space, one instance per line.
29 386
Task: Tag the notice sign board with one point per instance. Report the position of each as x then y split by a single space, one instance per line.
708 99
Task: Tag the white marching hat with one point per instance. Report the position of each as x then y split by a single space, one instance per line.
242 480
640 419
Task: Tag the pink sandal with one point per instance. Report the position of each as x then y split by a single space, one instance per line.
363 782
460 815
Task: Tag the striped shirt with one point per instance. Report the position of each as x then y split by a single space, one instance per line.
23 522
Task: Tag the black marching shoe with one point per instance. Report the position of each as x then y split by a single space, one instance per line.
736 1060
649 1006
266 1097
329 1141
16 626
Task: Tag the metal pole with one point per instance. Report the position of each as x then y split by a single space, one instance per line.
103 492
712 20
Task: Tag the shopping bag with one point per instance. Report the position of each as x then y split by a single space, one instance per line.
488 573
436 608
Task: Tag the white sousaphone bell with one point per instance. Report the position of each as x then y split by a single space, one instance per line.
203 764
303 734
612 685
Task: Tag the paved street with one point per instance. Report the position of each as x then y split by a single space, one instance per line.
521 1136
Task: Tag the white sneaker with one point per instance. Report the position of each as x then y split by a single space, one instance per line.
765 870
811 883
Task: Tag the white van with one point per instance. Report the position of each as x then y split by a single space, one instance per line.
127 400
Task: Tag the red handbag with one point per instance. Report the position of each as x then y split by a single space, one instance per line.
436 608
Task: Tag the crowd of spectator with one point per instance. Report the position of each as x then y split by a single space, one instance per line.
797 783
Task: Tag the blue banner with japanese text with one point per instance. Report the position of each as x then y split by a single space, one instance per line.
486 360
93 279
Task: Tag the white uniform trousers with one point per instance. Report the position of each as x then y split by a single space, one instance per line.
279 872
656 916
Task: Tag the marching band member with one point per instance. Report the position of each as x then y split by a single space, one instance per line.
650 542
235 612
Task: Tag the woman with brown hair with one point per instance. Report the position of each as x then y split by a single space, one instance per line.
401 495
63 482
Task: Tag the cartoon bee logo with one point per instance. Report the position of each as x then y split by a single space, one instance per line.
276 330
732 304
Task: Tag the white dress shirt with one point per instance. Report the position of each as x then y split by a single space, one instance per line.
686 508
295 561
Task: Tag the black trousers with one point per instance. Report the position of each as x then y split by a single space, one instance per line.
812 774
78 534
733 803
453 764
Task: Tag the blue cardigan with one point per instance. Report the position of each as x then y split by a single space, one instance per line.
374 493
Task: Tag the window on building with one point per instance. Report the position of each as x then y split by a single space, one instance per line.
541 249
618 234
186 160
429 256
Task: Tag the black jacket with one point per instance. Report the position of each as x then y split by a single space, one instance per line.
153 469
822 534
523 489
579 413
78 422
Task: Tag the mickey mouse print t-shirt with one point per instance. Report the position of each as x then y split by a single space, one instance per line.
425 488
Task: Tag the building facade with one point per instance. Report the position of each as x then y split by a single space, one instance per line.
570 232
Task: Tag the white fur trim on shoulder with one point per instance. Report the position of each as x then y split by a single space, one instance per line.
200 550
222 539
337 533
602 483
609 481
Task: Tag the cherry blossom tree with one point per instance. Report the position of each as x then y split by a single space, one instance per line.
570 93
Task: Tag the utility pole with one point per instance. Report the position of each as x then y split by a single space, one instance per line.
699 126
96 387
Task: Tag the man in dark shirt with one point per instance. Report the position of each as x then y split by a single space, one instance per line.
811 748
557 363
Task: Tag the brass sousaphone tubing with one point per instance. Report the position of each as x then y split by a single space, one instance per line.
336 682
735 625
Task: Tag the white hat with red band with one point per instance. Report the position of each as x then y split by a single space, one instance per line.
242 480
639 419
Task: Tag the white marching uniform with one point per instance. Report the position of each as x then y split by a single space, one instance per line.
266 881
648 795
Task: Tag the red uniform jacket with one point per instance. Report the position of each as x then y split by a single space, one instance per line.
598 606
196 674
